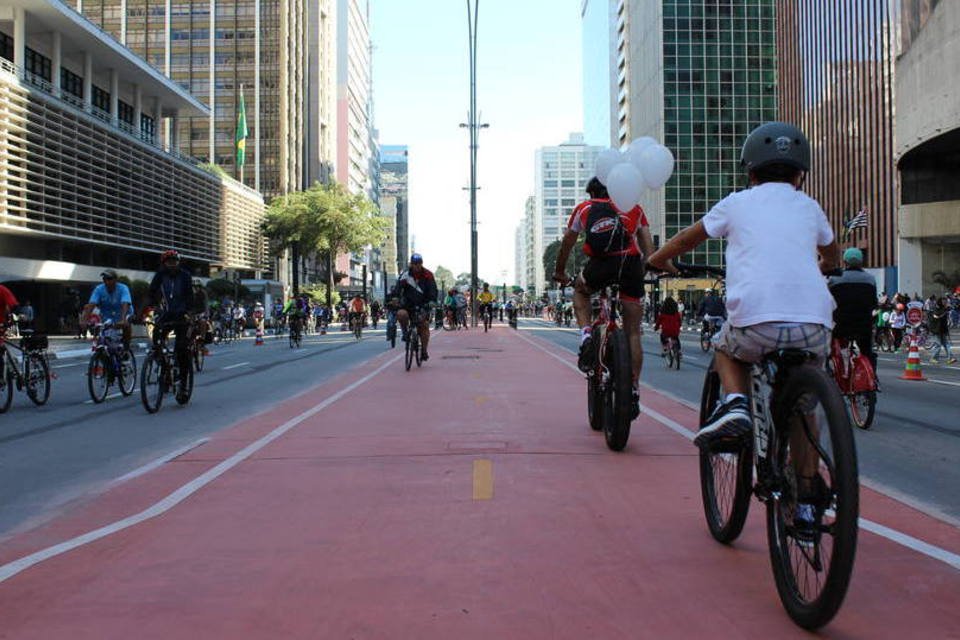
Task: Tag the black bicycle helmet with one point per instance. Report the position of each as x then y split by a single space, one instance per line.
775 143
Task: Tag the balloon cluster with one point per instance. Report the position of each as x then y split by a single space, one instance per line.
645 164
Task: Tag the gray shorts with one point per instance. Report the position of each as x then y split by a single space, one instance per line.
751 344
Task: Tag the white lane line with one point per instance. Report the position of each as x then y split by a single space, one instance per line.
11 569
898 537
234 366
64 366
159 462
952 384
109 397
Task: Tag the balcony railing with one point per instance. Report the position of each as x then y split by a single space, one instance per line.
73 103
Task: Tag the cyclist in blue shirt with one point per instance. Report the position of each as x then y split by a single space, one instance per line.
114 301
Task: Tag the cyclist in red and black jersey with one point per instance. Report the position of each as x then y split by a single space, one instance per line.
616 243
416 291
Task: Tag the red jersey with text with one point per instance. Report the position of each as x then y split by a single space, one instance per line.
632 221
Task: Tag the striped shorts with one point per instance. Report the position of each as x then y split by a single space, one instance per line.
751 344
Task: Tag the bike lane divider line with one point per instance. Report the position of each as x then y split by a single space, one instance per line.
893 535
15 567
235 366
112 396
159 462
946 382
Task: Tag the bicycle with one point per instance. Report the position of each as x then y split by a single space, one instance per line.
450 320
856 380
392 328
799 425
112 360
672 353
356 325
295 332
31 374
413 340
885 340
161 374
708 329
609 384
198 344
487 317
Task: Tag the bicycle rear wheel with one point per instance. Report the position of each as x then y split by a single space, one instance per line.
37 375
676 356
595 403
6 380
198 356
812 564
616 424
152 383
726 478
128 372
863 405
412 346
98 376
705 338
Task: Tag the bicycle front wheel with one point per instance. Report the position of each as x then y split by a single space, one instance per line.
616 426
595 403
411 349
6 380
128 372
705 338
725 477
37 375
812 517
98 376
863 405
152 383
198 357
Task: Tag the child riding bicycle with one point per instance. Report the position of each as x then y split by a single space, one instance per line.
668 323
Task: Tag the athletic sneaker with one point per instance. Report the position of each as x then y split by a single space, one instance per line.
588 355
728 422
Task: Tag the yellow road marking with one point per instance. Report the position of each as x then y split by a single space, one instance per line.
482 479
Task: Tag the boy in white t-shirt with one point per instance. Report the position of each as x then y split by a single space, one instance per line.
777 297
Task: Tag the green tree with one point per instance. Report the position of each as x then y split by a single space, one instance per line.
325 219
463 279
444 275
575 262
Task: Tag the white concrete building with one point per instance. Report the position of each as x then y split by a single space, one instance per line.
561 176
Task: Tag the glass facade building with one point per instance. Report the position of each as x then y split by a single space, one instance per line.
393 184
837 83
597 32
698 75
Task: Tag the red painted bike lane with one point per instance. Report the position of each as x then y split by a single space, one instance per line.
466 499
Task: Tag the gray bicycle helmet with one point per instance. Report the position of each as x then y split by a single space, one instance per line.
775 143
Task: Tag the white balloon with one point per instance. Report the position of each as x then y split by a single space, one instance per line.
607 160
625 186
657 162
634 152
643 143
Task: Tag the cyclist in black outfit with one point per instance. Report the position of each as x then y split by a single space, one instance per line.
712 310
856 294
172 293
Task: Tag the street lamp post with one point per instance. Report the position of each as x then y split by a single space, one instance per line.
473 7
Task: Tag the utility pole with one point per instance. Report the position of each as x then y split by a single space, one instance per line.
473 7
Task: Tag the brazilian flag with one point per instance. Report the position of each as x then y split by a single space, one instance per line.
242 131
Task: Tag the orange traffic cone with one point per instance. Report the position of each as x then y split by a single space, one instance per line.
259 341
912 371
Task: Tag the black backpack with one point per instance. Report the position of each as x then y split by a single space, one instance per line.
605 231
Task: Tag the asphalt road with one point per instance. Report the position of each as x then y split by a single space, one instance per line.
912 451
71 449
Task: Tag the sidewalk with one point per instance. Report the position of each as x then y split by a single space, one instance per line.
466 499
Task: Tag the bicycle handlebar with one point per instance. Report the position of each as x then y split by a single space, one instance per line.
694 269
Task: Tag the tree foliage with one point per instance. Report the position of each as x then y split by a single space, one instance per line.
444 275
575 262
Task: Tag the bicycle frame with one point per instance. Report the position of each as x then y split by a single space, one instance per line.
606 321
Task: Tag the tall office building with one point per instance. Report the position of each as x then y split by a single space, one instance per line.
598 33
699 76
928 140
84 184
530 235
519 256
561 175
215 49
393 184
837 83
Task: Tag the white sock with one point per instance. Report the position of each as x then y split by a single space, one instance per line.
584 334
733 396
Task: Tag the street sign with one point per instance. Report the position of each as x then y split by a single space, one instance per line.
915 313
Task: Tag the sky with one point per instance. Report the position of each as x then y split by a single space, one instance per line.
528 90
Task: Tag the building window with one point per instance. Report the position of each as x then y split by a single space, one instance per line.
147 127
6 46
125 112
71 83
101 99
37 64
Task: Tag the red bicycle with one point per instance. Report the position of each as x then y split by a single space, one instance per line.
857 381
609 388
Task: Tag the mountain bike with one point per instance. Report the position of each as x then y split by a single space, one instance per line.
111 361
29 372
161 374
413 339
609 385
356 325
672 353
855 379
801 456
